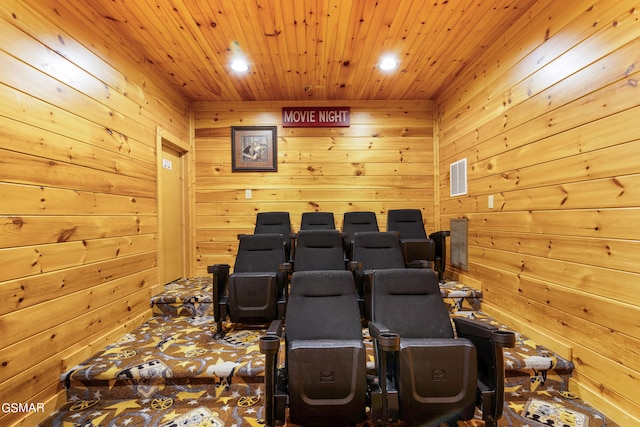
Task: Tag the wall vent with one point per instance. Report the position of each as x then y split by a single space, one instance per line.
458 177
460 243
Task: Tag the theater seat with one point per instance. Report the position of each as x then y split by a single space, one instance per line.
376 251
413 237
354 222
319 250
323 381
433 373
275 223
257 288
317 221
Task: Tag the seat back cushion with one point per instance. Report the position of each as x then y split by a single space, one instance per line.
378 250
408 222
319 250
326 357
317 221
359 221
259 253
408 301
323 305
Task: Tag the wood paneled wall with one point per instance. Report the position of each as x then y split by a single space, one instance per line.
78 209
548 122
547 119
384 160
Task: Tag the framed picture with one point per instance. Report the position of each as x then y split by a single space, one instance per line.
254 148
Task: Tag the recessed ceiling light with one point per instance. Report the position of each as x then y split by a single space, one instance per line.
388 63
239 65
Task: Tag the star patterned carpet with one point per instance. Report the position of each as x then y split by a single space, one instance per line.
172 371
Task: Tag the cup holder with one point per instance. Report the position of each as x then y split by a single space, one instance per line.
389 341
269 344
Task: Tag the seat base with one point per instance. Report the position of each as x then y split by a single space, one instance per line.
327 382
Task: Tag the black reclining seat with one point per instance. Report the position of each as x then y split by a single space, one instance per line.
313 221
375 250
317 221
275 223
413 237
258 285
434 373
319 250
325 366
354 222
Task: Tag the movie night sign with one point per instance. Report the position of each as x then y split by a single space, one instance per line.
316 116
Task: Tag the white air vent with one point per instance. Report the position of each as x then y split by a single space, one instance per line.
458 177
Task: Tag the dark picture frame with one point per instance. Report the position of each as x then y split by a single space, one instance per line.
254 148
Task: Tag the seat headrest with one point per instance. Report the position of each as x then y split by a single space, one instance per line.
406 281
261 242
322 283
377 239
319 238
317 218
404 215
367 216
409 302
273 222
273 218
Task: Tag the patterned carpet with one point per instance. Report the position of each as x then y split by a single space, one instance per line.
171 371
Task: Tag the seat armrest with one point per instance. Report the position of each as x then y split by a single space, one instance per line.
489 341
475 328
440 259
503 338
418 249
354 266
376 328
218 268
439 234
419 263
220 277
275 328
292 249
285 267
220 298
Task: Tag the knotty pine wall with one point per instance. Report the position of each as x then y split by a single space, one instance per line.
78 234
548 120
384 160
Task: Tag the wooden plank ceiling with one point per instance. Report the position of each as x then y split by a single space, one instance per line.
304 49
